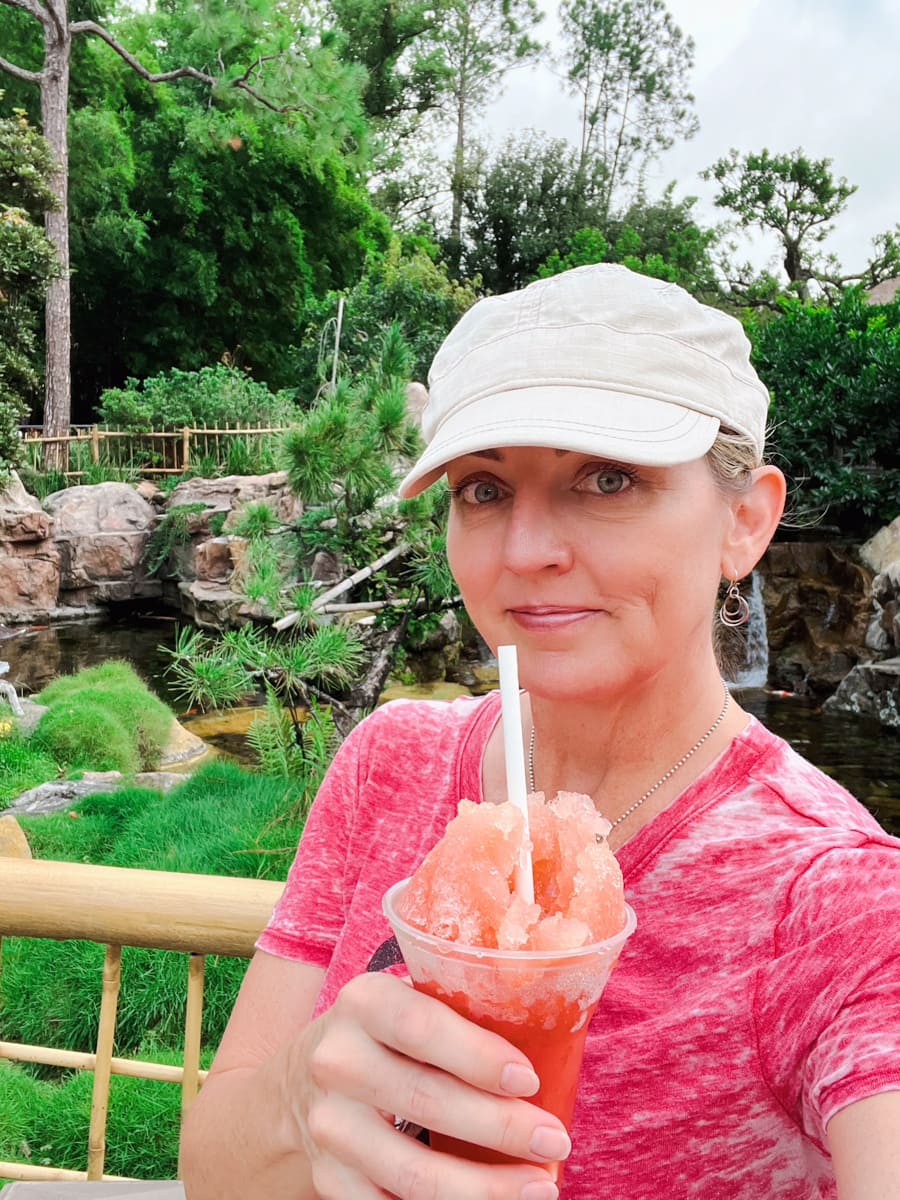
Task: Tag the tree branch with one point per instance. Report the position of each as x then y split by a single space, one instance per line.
19 72
180 72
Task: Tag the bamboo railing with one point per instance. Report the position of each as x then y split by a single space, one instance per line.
115 906
156 452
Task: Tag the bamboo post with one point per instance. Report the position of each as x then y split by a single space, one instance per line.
95 445
185 448
112 976
193 1026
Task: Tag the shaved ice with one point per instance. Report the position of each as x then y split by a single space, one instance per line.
464 890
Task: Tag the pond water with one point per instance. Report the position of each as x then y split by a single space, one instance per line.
861 754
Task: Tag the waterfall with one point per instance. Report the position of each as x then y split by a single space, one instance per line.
753 653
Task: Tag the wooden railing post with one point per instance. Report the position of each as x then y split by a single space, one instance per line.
193 1027
185 448
109 1002
95 445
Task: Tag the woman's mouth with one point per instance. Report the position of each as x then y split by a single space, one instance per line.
549 617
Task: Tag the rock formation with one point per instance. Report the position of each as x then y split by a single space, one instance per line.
29 558
101 531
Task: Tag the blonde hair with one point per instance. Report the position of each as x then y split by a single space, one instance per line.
731 458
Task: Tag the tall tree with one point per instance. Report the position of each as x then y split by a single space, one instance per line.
286 51
629 63
524 203
481 40
797 198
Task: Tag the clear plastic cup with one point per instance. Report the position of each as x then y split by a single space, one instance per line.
540 1001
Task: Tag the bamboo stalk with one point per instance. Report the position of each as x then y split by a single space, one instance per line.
79 1060
95 445
109 1002
351 581
193 1026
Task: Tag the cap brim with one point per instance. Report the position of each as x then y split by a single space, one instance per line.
621 426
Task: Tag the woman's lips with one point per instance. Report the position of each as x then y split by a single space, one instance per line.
549 617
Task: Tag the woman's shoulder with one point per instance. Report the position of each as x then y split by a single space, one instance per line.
424 735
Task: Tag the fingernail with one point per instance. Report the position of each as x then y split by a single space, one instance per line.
519 1080
550 1143
538 1189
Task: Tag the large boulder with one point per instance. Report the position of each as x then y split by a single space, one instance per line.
101 531
29 559
870 689
818 606
232 493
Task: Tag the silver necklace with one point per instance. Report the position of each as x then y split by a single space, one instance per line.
668 775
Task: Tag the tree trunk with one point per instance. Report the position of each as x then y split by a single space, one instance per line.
457 183
54 117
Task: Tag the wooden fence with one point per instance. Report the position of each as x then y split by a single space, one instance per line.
159 452
116 906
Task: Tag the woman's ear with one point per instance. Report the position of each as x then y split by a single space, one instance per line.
755 514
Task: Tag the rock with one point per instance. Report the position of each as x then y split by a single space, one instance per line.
28 723
870 689
29 559
101 531
326 567
182 746
214 559
21 517
882 550
61 794
817 598
151 492
232 492
213 605
13 842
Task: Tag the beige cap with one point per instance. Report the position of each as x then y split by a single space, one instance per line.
598 360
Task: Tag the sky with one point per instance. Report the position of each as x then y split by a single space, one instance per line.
775 74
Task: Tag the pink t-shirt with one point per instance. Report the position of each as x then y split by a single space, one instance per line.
758 997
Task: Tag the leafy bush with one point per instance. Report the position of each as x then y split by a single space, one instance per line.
212 396
104 718
406 288
834 376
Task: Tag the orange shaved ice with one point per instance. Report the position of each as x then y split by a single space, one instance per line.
464 889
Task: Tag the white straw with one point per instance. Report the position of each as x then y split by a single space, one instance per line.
514 750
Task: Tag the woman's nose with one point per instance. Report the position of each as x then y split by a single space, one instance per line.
535 537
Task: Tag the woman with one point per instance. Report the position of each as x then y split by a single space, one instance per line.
602 437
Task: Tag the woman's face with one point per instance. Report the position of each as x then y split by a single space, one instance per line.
603 574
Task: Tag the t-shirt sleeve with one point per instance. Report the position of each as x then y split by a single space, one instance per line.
308 918
828 1006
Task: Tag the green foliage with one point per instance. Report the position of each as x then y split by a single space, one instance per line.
255 521
22 764
174 529
288 748
27 264
213 396
341 454
403 287
202 676
103 719
797 198
834 376
264 572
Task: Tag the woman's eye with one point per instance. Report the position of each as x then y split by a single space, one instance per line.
477 491
606 480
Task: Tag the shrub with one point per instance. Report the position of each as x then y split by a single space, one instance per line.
212 396
83 735
104 718
834 377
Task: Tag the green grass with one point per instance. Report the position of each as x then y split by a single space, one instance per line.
223 820
104 718
22 766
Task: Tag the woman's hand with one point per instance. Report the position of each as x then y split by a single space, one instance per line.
385 1050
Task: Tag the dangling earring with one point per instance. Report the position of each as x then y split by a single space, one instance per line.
735 610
